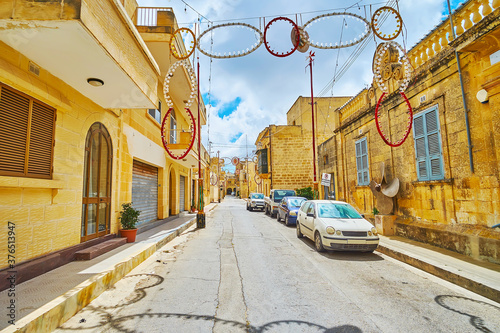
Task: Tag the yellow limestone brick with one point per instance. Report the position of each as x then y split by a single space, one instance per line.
10 197
36 215
65 197
37 197
55 212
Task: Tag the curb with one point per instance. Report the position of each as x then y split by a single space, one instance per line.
56 312
461 281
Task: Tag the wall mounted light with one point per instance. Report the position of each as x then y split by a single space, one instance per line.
95 82
482 96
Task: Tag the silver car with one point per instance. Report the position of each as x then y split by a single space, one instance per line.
335 225
255 201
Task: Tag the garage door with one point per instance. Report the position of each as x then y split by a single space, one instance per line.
182 196
145 191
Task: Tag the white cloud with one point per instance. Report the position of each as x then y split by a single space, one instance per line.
268 86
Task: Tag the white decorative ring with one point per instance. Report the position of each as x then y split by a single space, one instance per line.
166 88
355 41
233 54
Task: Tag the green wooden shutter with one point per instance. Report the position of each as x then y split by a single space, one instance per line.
428 152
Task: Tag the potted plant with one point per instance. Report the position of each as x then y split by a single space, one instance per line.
128 219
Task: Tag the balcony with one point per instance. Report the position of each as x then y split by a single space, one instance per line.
77 40
156 26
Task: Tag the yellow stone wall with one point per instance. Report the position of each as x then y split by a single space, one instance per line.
47 213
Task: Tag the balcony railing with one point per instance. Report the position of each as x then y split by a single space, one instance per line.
463 19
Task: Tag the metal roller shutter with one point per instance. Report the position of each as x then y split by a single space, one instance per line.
182 191
145 191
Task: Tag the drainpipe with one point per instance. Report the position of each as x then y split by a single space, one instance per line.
471 161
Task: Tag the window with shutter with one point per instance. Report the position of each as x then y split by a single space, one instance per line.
428 153
156 113
26 135
362 162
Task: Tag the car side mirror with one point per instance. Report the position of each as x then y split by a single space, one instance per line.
310 214
363 215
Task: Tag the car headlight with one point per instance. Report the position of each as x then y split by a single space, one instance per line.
330 230
339 232
374 231
369 233
293 213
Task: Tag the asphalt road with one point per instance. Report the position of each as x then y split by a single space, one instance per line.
246 272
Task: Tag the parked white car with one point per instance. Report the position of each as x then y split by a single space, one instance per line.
255 201
335 225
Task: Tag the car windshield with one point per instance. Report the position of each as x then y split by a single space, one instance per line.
280 194
257 196
295 202
334 210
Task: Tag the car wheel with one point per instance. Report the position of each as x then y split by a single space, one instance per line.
278 217
286 221
247 207
318 243
250 209
267 210
299 233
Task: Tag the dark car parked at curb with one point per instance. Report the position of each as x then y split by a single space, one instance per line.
289 208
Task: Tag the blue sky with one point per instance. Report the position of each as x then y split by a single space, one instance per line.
249 93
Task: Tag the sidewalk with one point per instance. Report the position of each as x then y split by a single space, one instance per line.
45 302
48 300
480 277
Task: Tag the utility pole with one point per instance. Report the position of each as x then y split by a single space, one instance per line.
315 181
200 217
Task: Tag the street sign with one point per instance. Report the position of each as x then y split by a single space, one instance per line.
325 179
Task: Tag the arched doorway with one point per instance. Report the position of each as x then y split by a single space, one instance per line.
96 200
229 191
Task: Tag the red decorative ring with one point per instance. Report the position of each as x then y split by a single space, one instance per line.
235 160
295 45
213 180
164 139
257 182
408 127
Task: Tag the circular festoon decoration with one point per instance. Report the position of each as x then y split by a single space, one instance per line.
388 64
255 159
295 44
177 38
380 16
213 179
408 126
257 180
177 146
342 44
221 161
166 84
235 160
231 54
303 37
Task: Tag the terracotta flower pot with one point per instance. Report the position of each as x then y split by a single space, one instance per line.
130 234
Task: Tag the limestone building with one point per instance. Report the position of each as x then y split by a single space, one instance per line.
81 107
449 185
285 155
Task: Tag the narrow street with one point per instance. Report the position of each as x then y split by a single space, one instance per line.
246 272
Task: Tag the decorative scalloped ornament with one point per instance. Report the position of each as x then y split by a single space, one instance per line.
166 83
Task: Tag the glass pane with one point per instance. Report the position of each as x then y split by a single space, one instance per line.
84 206
102 216
91 219
85 174
94 160
103 180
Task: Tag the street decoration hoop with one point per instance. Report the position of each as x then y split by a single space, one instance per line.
173 39
257 179
165 136
408 126
303 46
255 159
295 44
166 84
233 54
355 41
235 160
387 66
376 18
